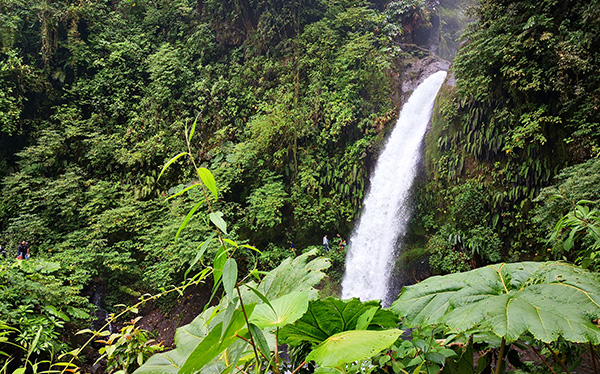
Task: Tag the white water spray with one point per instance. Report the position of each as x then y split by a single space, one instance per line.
386 212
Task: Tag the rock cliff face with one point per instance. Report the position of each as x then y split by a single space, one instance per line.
425 42
418 69
437 41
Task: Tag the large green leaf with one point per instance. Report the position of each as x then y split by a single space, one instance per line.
330 316
170 162
292 275
282 311
201 249
193 129
546 299
217 340
184 190
198 344
188 218
349 346
259 339
38 266
219 264
217 219
365 319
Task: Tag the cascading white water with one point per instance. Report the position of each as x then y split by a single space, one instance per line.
385 214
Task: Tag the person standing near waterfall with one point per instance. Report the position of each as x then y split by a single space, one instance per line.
341 244
23 250
326 243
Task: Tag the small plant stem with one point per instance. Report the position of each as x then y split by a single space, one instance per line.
241 370
542 358
277 351
593 358
241 337
247 275
203 186
500 356
248 341
298 368
429 348
248 324
560 362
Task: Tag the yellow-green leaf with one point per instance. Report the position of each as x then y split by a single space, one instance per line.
209 180
170 162
282 311
354 345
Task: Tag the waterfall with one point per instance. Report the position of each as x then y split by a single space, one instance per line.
386 212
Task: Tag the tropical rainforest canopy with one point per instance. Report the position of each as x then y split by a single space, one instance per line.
265 117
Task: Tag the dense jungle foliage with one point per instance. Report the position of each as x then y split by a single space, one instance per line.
292 99
263 117
523 108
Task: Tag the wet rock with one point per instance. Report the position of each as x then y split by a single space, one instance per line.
417 70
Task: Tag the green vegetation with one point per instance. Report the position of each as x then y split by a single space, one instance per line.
524 106
157 149
128 349
291 103
37 305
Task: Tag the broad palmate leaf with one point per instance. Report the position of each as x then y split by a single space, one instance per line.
296 274
546 299
331 316
293 275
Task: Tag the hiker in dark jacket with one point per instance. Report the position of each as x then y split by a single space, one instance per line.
23 250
